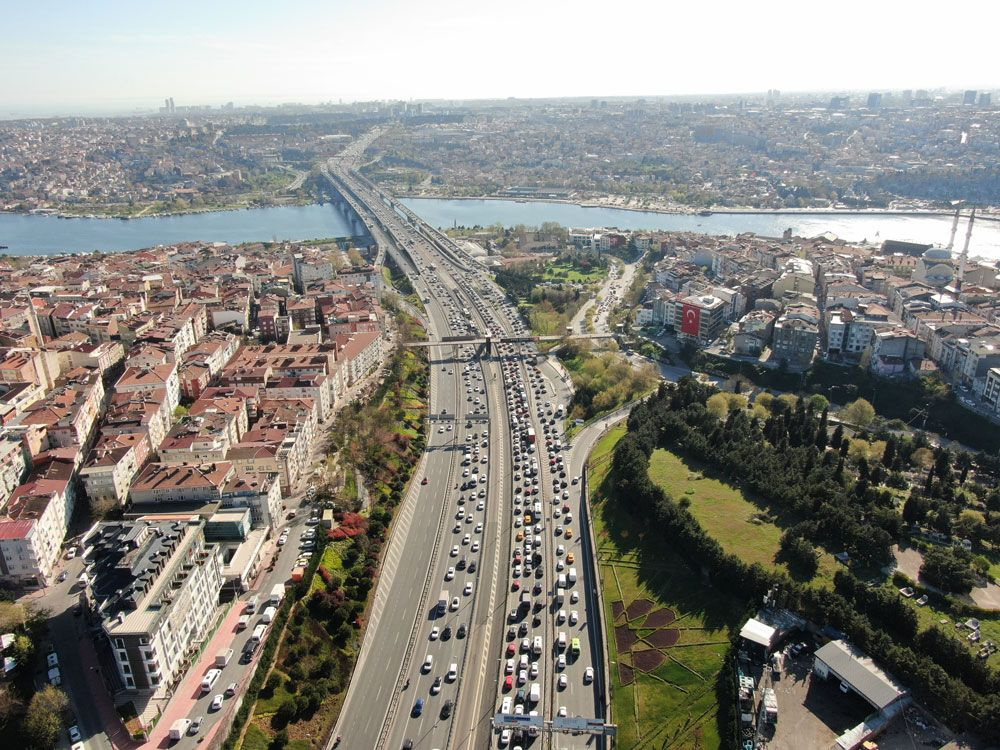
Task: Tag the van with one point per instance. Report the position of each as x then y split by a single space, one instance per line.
561 582
452 672
258 635
535 694
268 615
209 680
243 622
536 645
562 639
572 575
252 603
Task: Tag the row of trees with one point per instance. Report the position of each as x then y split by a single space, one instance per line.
669 419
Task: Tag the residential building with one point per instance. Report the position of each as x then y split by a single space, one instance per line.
155 587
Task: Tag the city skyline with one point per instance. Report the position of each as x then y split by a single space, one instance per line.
119 59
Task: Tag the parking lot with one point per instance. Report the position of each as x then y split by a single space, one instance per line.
812 713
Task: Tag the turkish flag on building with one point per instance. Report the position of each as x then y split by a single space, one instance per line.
691 320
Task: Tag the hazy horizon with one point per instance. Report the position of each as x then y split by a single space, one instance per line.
123 58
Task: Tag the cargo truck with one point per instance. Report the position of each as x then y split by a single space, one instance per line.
223 656
179 728
442 602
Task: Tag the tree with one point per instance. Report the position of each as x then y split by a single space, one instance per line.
12 616
44 718
948 569
860 413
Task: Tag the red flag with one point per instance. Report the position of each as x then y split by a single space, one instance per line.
691 319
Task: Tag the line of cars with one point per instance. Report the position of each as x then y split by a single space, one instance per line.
469 524
535 458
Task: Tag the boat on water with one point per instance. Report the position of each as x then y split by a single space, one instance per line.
705 212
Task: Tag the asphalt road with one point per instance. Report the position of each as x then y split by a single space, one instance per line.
391 676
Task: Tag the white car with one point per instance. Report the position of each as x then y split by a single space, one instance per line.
563 682
450 573
468 589
560 550
74 733
562 712
216 702
454 551
574 597
561 661
574 617
588 675
475 546
435 631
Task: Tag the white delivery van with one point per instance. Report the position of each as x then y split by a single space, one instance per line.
252 604
561 582
209 680
572 575
222 657
535 694
243 622
267 615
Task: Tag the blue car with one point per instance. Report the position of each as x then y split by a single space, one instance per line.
418 707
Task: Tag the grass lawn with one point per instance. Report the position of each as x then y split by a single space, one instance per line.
740 526
255 738
675 704
567 272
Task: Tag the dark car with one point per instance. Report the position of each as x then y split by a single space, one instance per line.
418 707
461 631
460 565
446 633
446 709
472 566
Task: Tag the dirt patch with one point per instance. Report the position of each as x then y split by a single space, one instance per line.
658 618
625 638
626 675
647 661
638 608
618 610
663 638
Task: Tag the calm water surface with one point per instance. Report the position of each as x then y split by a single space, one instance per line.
25 235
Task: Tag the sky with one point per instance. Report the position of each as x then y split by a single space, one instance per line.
72 57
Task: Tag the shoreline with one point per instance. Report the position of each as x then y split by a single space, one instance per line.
991 214
55 213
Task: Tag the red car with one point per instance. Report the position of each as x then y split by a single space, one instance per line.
508 683
511 650
515 586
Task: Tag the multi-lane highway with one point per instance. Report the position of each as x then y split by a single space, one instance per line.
491 515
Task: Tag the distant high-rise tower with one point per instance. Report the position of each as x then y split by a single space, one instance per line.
907 96
839 102
170 106
874 100
970 97
984 99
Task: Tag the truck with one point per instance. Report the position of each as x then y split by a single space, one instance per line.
179 728
223 656
277 594
531 435
298 574
525 603
442 602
